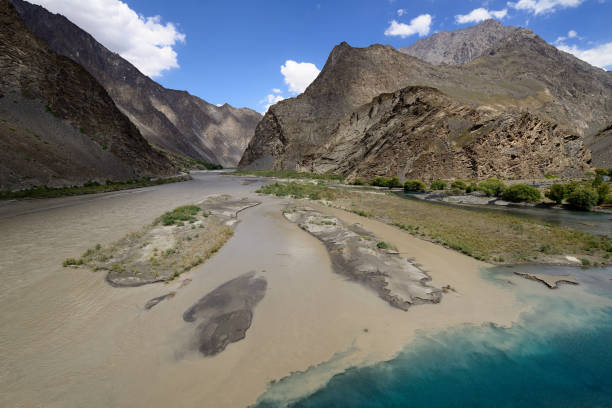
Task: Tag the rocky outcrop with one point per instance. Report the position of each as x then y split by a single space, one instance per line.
58 126
601 147
174 120
419 132
459 46
520 72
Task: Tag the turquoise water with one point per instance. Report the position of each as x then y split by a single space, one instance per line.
557 355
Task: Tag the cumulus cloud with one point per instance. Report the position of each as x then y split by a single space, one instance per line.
480 14
146 42
600 56
570 34
276 90
543 6
298 75
270 100
419 25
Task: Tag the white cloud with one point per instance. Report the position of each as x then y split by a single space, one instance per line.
146 42
298 75
400 12
544 6
570 34
270 100
480 14
276 90
419 25
600 56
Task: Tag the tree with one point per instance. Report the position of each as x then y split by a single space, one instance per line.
603 194
521 192
414 185
556 193
583 198
438 185
459 185
492 187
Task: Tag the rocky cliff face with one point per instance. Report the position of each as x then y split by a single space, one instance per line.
601 147
58 126
520 72
174 120
459 46
418 132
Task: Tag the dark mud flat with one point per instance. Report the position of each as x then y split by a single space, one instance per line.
224 315
355 253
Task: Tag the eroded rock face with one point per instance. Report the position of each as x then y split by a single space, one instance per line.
519 72
421 133
174 120
459 46
224 315
355 254
58 126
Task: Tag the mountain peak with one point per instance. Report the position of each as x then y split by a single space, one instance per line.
460 46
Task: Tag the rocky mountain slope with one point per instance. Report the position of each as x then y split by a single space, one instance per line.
601 147
174 120
520 72
418 132
58 126
459 46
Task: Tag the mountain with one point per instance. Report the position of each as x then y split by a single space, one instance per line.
601 146
174 120
519 73
459 46
418 132
58 125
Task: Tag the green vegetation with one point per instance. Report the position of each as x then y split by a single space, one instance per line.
49 110
358 182
179 215
486 236
382 245
521 192
603 193
492 187
556 193
289 174
438 185
471 188
414 185
459 185
89 187
389 182
298 190
583 198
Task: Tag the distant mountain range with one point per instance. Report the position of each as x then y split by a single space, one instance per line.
508 76
58 125
174 120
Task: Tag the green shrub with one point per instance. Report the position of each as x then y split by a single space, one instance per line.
597 181
382 245
492 187
298 190
178 215
471 188
358 182
521 192
583 198
438 185
394 182
459 185
414 185
380 182
602 172
603 194
556 193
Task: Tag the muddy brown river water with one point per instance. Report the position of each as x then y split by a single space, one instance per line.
68 339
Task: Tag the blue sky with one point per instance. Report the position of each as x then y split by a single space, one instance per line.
233 51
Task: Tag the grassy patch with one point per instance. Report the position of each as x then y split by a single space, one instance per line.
288 174
90 187
486 236
179 215
298 190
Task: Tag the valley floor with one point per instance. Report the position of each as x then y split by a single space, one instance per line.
67 338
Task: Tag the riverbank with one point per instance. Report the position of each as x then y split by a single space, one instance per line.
91 187
492 237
